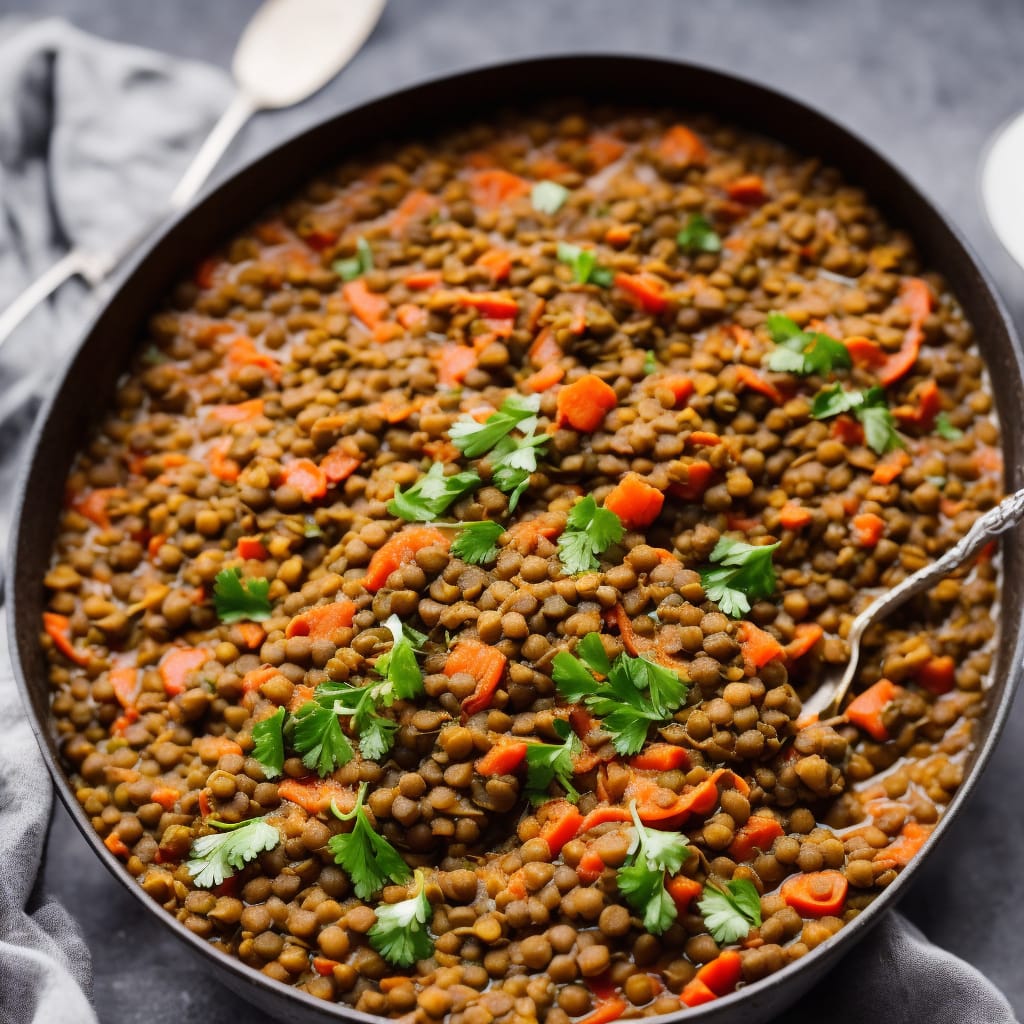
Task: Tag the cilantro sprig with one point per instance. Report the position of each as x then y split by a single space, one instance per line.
216 857
641 880
548 196
585 268
268 743
368 858
552 762
477 543
870 407
400 933
238 600
803 352
317 735
589 532
698 235
945 429
744 572
730 912
431 495
355 266
635 692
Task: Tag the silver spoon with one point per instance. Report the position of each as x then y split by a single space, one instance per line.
1001 175
289 50
828 698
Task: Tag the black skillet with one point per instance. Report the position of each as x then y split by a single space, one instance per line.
89 380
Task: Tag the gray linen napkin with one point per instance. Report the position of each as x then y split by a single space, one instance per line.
92 137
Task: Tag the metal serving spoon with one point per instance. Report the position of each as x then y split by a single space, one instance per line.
828 698
289 50
1001 192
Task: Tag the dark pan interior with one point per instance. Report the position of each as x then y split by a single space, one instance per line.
91 376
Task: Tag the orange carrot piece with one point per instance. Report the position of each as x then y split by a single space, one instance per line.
698 479
912 837
645 292
453 363
124 681
816 893
696 992
58 629
635 501
93 504
748 189
368 306
497 263
399 550
322 622
865 710
805 636
252 547
757 646
916 296
661 757
723 973
867 529
748 377
314 795
492 188
937 675
204 275
544 380
324 966
890 467
680 386
491 304
584 404
865 352
416 204
337 466
255 678
212 748
302 694
409 315
794 516
524 535
178 663
590 867
633 643
561 824
306 477
683 891
925 404
242 352
604 149
240 413
116 845
252 634
602 815
681 147
619 235
757 833
165 797
220 465
503 758
847 430
544 349
607 1011
704 439
421 280
486 664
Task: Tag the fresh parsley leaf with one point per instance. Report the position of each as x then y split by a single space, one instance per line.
592 651
730 913
474 439
552 762
650 363
548 196
431 495
661 851
803 352
585 268
355 266
945 429
477 543
268 744
216 857
311 529
698 236
745 571
368 858
238 600
589 532
318 739
870 407
398 667
400 933
513 461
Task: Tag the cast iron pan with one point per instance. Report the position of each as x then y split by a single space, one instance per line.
89 380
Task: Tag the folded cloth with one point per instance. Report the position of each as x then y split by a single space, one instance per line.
93 137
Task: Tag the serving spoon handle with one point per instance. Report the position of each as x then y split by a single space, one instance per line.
828 698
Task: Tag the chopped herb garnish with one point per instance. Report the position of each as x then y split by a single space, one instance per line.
477 543
745 571
216 857
642 878
361 263
945 429
552 762
650 363
431 495
589 532
400 933
238 600
698 236
730 913
368 858
474 439
513 462
803 352
870 407
268 743
548 196
317 736
585 268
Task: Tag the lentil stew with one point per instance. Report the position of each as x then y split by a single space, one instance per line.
350 732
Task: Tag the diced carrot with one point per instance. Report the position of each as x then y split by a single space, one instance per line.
695 993
256 677
748 377
916 297
204 803
925 404
602 815
578 324
486 664
306 477
399 550
492 188
937 675
240 413
698 479
154 544
867 529
988 460
590 867
911 838
212 748
205 272
681 147
645 292
421 280
816 893
314 795
124 681
635 501
584 404
93 504
630 639
338 466
723 973
748 189
116 845
58 629
497 263
368 306
440 450
680 386
165 797
619 235
178 664
544 349
545 166
503 758
703 439
847 430
865 352
793 516
683 891
890 467
757 833
242 352
416 204
252 634
950 508
757 646
661 757
524 535
252 547
740 522
302 694
409 315
562 823
544 380
606 1011
492 304
322 622
453 363
222 467
865 710
805 636
324 966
